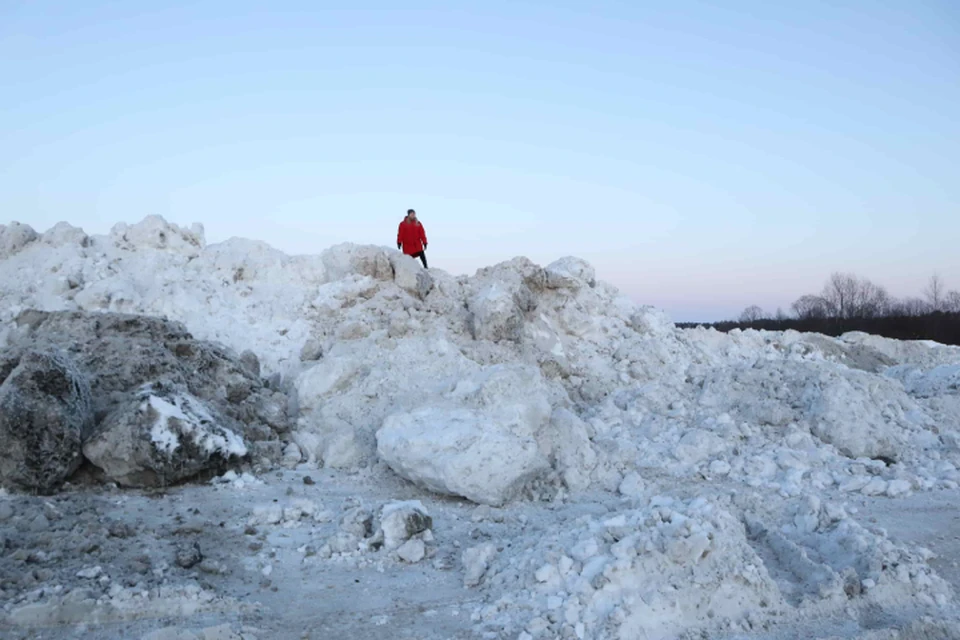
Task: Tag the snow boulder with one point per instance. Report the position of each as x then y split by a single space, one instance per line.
647 320
237 261
331 442
495 314
501 296
14 237
566 442
344 398
352 259
476 561
862 415
570 273
410 276
45 414
401 521
162 435
463 452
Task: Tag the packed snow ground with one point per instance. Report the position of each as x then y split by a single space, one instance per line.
577 467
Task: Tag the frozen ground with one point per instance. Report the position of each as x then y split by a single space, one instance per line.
555 462
362 595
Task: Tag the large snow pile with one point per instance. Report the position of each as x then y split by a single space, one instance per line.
520 373
524 382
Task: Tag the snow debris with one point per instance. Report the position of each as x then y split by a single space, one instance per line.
402 520
221 632
81 606
293 513
236 480
412 551
476 561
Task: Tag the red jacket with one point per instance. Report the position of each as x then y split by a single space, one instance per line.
412 237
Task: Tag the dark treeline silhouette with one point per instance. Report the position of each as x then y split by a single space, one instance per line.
848 303
943 327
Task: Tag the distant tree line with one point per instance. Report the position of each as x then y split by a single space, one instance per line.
850 303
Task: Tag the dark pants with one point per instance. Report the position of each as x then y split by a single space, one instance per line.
422 256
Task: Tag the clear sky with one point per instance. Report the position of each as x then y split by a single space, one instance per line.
704 156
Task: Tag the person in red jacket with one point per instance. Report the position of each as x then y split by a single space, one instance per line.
412 238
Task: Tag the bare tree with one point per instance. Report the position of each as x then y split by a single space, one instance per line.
951 301
839 291
852 297
912 307
809 306
874 300
752 314
934 293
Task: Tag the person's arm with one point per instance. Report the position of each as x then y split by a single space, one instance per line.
423 235
399 229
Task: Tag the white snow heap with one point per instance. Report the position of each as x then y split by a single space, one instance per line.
410 276
379 354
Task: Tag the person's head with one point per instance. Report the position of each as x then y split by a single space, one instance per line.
411 215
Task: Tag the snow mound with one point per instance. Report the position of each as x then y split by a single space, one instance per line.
676 567
154 232
364 339
651 572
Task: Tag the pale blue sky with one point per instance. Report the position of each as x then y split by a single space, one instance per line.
704 156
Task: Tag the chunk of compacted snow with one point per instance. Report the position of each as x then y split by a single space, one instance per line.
460 452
